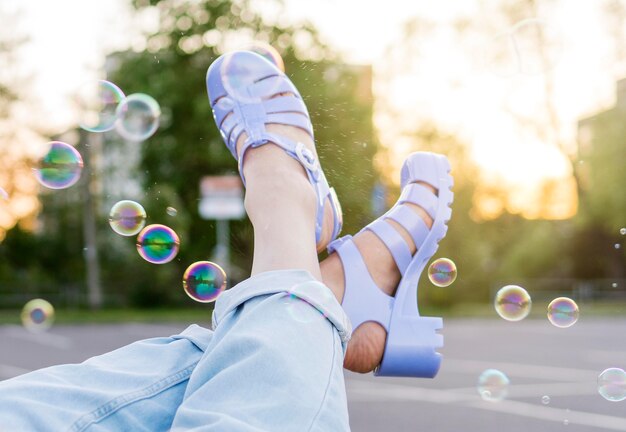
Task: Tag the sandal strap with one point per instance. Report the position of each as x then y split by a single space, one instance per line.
420 195
363 300
394 242
415 226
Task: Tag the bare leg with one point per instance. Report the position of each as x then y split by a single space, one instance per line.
365 349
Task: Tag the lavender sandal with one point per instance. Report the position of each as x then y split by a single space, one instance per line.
246 92
411 339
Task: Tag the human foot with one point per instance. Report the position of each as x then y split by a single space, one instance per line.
254 104
384 251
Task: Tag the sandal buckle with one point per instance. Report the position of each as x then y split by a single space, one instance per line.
306 158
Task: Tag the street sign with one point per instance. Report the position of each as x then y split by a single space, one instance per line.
221 198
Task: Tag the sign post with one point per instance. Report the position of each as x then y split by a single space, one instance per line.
222 200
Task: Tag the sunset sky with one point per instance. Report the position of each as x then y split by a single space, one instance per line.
450 82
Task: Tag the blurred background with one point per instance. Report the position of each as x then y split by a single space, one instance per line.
527 98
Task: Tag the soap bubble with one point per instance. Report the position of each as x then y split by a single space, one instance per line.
127 217
239 73
98 102
622 231
4 194
545 400
563 312
493 385
37 315
158 244
268 52
442 272
512 303
612 384
204 281
60 167
138 117
528 47
171 211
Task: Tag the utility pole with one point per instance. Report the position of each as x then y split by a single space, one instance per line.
92 143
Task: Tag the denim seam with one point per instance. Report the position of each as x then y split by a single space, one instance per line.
330 377
122 401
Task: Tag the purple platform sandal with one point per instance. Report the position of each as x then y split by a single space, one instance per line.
246 92
412 340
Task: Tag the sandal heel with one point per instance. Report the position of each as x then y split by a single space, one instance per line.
410 349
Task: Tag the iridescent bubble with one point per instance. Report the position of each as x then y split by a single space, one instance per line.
563 312
512 303
37 315
239 73
302 310
204 281
493 385
60 167
4 194
622 231
158 244
268 52
501 56
612 384
171 211
528 47
545 400
537 48
442 272
127 217
138 117
98 102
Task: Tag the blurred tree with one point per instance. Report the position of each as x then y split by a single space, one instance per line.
18 136
171 65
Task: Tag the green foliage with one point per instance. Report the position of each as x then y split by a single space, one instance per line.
188 146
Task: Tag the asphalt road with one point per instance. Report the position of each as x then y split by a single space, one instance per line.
540 360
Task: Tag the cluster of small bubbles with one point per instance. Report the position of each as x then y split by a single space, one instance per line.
493 385
98 102
204 281
527 48
622 231
268 52
612 384
127 217
37 315
171 211
442 272
563 312
60 167
158 244
138 117
545 399
4 194
512 303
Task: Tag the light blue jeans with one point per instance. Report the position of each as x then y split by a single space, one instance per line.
274 362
